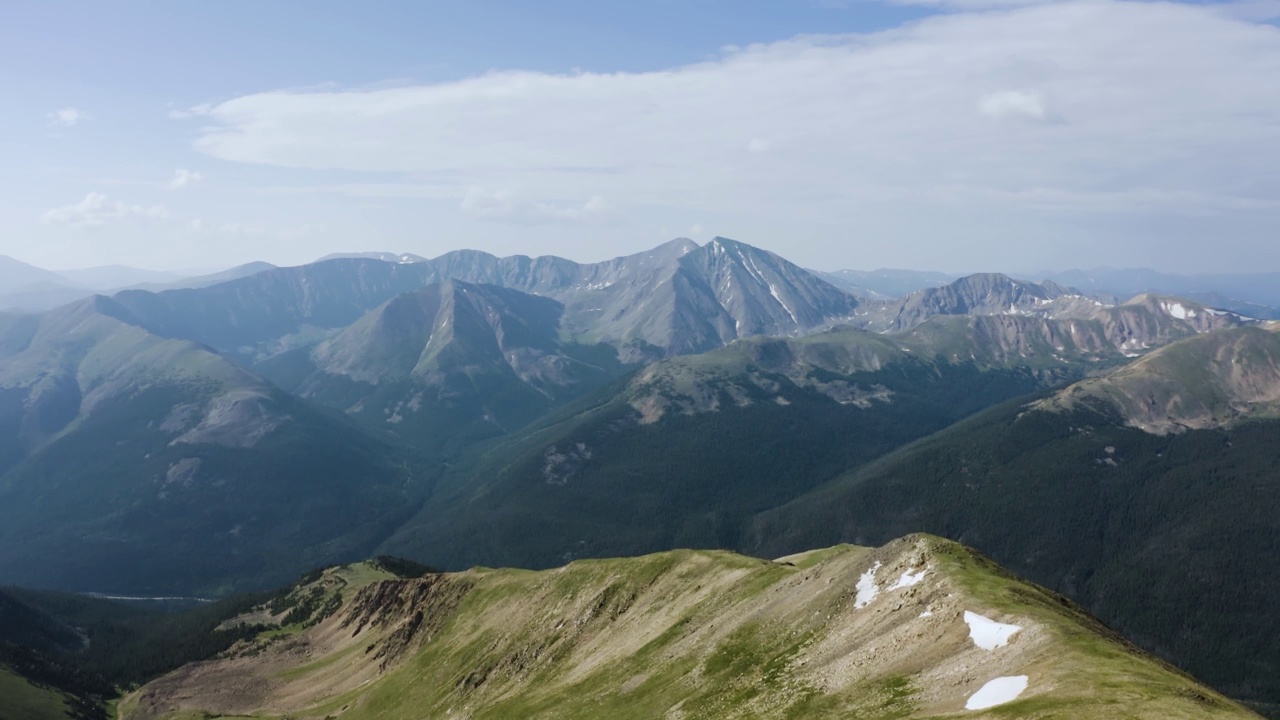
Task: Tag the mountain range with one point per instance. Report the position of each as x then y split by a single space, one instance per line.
471 410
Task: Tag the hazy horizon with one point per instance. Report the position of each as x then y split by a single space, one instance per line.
1013 272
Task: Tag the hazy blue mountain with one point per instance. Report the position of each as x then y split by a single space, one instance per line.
68 286
108 277
1143 322
16 275
677 298
131 462
202 280
1252 294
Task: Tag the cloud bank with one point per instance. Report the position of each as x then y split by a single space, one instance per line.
1014 116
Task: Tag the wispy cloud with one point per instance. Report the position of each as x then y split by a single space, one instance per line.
66 117
1174 100
97 209
190 112
184 178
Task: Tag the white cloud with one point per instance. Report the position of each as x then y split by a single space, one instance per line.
97 209
1012 104
66 117
1172 104
506 206
184 178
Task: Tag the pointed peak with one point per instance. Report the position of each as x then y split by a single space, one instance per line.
682 244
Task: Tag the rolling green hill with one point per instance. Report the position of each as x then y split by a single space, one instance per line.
918 628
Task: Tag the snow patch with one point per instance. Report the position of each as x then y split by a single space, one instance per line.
867 588
1178 310
987 633
908 579
997 692
926 613
774 292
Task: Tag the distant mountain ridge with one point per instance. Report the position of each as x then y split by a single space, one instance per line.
677 298
1204 382
26 288
1133 326
449 361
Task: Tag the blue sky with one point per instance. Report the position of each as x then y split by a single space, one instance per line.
944 134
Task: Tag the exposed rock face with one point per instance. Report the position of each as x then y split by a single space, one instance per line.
982 294
1133 327
1202 382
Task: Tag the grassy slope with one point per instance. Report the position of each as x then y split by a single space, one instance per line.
21 700
1169 539
691 634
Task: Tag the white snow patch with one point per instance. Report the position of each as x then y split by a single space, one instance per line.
987 633
1178 310
774 292
926 613
908 579
867 588
997 692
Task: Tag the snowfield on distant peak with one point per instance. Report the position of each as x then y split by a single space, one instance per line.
987 633
1178 310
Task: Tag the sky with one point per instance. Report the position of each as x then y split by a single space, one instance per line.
953 135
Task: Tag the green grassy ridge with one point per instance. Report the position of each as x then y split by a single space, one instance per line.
1170 545
525 644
